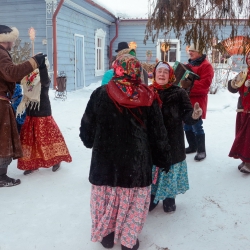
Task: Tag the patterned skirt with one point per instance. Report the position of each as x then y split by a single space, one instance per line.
42 143
241 144
119 210
168 185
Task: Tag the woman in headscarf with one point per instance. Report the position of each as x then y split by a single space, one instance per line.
41 139
240 148
109 74
176 109
123 125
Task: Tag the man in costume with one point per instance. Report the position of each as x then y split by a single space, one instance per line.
10 147
199 93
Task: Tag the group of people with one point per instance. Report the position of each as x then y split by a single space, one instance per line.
139 156
40 143
136 133
137 136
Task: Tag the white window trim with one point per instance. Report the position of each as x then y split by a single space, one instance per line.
173 41
101 34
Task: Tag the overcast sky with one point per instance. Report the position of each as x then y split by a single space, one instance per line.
132 8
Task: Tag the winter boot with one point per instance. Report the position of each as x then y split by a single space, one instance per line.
27 172
135 247
56 167
108 241
192 148
246 168
201 150
241 165
152 205
169 205
6 181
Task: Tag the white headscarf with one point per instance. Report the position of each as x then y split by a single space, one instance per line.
162 65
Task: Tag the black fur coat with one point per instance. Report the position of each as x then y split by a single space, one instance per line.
123 151
176 110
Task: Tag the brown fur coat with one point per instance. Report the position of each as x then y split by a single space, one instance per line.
9 74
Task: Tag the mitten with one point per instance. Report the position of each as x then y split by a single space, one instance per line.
197 111
185 84
40 59
247 83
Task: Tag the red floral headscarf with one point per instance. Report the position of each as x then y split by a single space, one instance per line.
171 79
244 91
125 88
127 66
127 72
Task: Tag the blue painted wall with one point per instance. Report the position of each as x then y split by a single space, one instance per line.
70 21
134 30
23 15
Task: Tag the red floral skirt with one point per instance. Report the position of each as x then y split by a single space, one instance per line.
119 210
42 143
241 145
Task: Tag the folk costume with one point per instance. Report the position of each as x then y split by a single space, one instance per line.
10 147
123 124
240 147
176 109
42 141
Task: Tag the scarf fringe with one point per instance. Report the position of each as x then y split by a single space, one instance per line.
24 104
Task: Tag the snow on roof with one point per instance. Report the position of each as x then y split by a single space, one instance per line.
106 6
129 9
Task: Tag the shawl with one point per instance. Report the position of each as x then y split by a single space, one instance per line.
31 91
197 61
125 88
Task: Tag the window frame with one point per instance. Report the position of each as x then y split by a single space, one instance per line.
171 41
100 34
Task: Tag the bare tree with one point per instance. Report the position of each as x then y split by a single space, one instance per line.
201 21
20 53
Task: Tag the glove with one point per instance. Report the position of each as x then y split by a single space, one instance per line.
185 84
247 83
197 111
40 59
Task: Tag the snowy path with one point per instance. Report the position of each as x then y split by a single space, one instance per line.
50 211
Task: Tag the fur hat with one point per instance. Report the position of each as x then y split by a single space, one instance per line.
121 46
126 51
8 34
193 48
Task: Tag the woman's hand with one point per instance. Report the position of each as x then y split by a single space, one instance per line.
197 111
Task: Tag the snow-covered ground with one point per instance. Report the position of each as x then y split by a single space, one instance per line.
51 211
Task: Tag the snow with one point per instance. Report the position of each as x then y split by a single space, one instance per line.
126 9
51 211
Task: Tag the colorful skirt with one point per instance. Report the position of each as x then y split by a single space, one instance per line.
241 144
42 143
119 210
168 185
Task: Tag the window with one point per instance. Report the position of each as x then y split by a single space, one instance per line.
169 54
99 51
